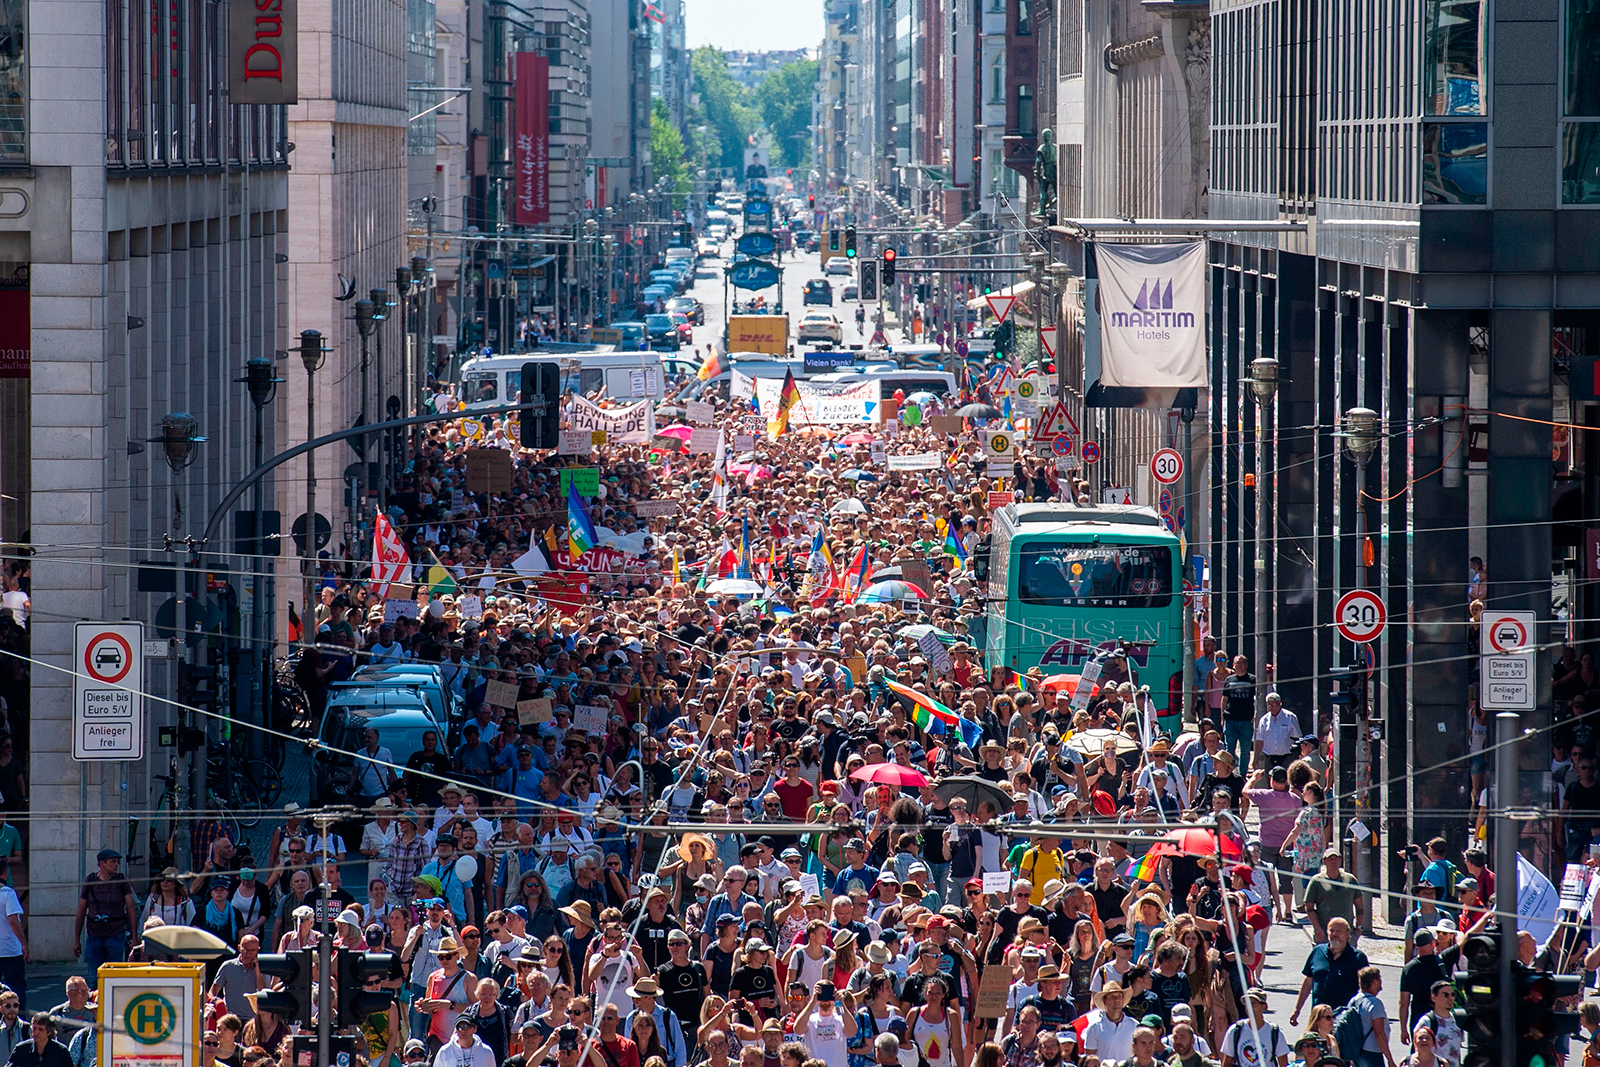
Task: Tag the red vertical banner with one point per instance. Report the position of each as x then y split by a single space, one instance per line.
532 146
16 333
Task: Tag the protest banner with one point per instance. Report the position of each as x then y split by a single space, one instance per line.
632 425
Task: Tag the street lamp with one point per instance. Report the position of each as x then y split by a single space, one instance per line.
178 440
403 281
262 385
366 324
1263 381
1362 433
380 314
420 271
312 354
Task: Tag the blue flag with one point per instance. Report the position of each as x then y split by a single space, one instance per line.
744 551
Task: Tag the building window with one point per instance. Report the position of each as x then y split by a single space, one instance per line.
13 82
997 80
1454 52
1025 109
1582 29
1455 163
1580 163
1024 18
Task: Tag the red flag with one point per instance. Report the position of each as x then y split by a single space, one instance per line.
389 559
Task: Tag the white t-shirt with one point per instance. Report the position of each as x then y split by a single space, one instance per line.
825 1038
1109 1040
1240 1043
10 944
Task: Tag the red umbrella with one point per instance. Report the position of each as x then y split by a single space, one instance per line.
1200 841
1067 682
889 774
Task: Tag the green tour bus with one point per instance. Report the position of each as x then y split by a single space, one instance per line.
1066 583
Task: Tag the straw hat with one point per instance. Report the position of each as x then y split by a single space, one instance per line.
447 947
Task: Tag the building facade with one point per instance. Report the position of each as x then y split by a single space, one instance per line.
146 273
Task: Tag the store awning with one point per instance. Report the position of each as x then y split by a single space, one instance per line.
1018 290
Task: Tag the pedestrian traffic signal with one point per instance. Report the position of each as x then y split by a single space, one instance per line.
293 1003
868 288
541 392
1478 1013
354 968
888 266
1538 1021
850 242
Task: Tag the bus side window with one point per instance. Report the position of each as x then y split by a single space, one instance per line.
980 559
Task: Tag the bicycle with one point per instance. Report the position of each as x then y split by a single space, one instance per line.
160 857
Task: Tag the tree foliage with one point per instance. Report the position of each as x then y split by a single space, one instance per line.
785 100
666 150
729 110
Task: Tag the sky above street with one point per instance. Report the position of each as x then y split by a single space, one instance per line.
734 24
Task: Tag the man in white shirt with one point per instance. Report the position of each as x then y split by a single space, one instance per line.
1109 1034
373 771
377 836
13 939
1277 735
386 649
1239 1048
466 1049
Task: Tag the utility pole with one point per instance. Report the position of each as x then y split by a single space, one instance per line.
1361 437
324 822
381 305
1189 649
1507 735
311 356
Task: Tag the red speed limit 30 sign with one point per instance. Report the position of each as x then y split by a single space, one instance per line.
1360 616
1166 466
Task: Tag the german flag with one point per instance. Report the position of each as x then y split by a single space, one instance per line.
713 366
778 425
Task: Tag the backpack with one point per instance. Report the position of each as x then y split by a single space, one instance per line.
1269 1033
1349 1032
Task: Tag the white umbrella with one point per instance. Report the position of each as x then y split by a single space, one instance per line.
734 587
849 506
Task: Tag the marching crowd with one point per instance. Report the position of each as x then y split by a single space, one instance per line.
943 866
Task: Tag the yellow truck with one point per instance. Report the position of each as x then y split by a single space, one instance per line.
768 334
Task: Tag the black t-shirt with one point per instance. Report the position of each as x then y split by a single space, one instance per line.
933 845
992 774
107 914
1584 799
425 787
1108 903
911 990
1417 978
1054 1014
1006 922
653 939
756 984
790 730
1174 990
682 990
721 964
1239 698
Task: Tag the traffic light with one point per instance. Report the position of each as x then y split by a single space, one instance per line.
1478 1013
811 202
1004 336
541 391
353 969
888 266
868 289
197 686
1538 1021
833 240
293 1003
850 242
1344 689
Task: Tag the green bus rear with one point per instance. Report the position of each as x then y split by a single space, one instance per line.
1067 582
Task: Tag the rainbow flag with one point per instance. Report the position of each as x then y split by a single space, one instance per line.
934 717
580 529
1145 869
954 547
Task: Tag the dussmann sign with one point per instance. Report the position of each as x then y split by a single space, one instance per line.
263 51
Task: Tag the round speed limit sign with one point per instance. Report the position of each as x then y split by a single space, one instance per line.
1166 466
1360 616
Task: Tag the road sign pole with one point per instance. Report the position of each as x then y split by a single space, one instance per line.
1363 752
1189 647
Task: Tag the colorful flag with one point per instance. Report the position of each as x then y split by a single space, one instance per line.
580 530
857 577
934 717
744 550
778 425
713 366
677 576
1147 867
390 563
719 475
821 558
954 547
440 580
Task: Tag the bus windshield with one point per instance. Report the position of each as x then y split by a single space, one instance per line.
1095 575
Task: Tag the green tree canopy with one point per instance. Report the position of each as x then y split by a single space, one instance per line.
666 151
785 100
729 110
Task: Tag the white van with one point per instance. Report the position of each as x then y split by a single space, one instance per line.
492 380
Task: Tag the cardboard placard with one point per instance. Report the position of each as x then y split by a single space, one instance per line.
501 694
699 412
999 499
917 573
488 470
470 607
994 988
945 424
651 509
917 461
587 479
533 711
575 443
880 458
590 718
933 648
598 437
810 886
743 442
704 440
399 609
400 591
997 881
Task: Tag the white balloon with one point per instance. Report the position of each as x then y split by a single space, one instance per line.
466 868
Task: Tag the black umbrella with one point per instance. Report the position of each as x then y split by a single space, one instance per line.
974 790
978 411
